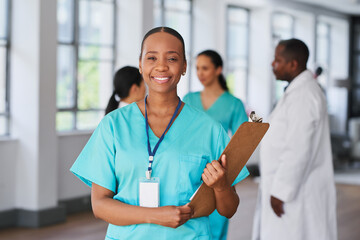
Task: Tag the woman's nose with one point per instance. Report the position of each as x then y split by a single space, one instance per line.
162 65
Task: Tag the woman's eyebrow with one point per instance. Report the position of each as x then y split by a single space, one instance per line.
168 52
173 52
151 52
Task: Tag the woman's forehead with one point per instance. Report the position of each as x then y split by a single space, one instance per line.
162 42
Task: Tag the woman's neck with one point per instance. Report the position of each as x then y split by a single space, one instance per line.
213 89
162 104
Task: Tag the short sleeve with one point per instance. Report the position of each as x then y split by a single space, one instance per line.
96 162
222 142
239 116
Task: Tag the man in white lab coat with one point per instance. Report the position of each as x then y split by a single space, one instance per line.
297 198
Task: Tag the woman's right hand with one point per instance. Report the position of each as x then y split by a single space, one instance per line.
172 216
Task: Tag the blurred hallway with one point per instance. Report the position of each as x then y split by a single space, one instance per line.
84 226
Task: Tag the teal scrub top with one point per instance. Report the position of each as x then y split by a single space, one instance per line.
227 109
116 156
230 112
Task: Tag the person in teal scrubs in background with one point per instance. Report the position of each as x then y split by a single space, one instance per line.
164 141
218 103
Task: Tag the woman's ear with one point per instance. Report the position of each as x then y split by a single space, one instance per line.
219 70
184 68
140 69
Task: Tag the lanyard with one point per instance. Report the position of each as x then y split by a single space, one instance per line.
152 153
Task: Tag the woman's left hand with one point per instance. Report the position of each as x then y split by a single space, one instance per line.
214 175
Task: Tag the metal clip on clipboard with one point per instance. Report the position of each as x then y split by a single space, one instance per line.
255 118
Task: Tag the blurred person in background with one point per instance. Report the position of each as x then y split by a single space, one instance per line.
129 87
297 198
222 106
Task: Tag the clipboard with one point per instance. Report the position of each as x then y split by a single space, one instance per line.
241 146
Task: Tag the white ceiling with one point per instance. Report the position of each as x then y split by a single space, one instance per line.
344 6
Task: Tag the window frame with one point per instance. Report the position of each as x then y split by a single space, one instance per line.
247 57
7 47
76 44
354 101
328 57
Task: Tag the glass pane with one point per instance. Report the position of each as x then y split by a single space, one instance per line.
3 18
157 3
3 125
236 81
355 102
357 69
282 21
96 22
181 23
237 41
322 29
322 50
182 5
94 84
65 121
2 79
357 38
88 120
65 18
238 15
65 94
237 63
157 14
95 53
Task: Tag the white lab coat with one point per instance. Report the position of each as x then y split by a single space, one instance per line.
296 167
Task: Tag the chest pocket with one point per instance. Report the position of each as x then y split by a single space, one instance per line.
191 168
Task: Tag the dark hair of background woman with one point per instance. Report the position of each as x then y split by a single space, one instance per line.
123 80
167 30
218 62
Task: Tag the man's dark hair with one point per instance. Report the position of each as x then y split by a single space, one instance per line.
295 49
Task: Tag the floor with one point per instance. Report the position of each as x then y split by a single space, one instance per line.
84 226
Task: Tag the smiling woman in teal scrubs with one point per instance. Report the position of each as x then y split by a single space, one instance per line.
162 137
218 103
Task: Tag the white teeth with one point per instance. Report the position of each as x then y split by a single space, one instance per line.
161 79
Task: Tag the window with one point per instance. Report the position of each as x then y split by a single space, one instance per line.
323 49
177 14
86 57
282 28
354 110
237 54
4 66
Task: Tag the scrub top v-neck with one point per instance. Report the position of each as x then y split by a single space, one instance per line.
116 156
227 109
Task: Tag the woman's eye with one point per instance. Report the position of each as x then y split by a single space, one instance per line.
151 58
172 59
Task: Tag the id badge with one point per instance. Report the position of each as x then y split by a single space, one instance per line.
149 192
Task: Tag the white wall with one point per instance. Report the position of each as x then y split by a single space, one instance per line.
8 158
69 147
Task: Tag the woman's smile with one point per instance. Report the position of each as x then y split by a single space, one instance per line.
161 79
